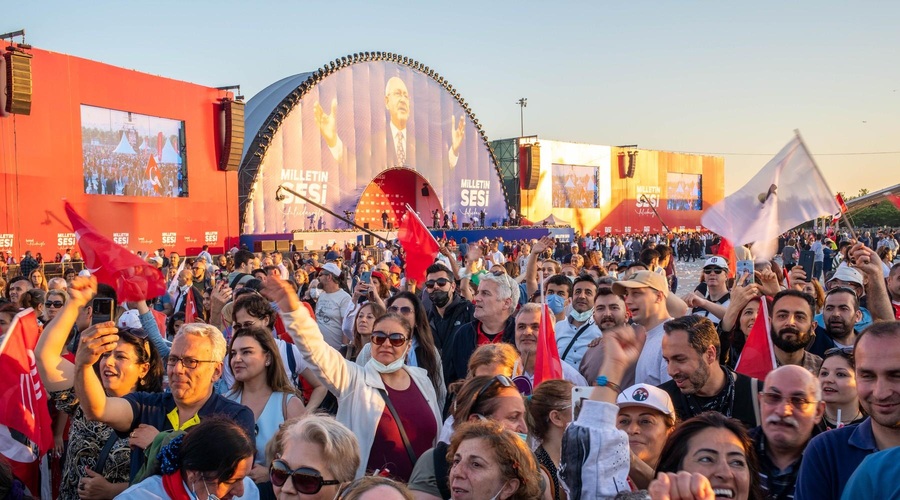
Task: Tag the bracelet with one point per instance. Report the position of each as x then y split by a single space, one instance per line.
602 381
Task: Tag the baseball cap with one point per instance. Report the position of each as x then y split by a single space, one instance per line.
643 279
395 269
332 268
847 273
716 261
332 255
647 396
129 319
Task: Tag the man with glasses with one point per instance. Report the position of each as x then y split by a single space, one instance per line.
791 405
202 279
193 365
711 298
495 302
447 310
832 457
332 305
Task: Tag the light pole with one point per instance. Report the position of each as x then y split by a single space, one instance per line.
523 102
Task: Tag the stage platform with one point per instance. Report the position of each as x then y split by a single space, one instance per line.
319 240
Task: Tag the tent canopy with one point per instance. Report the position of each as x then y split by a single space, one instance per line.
124 148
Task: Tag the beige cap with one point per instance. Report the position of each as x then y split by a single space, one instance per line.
643 279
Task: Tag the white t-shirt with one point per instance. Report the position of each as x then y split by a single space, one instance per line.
651 367
330 310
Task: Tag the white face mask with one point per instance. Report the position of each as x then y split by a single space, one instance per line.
581 316
391 368
497 496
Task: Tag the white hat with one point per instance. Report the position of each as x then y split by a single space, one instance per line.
847 273
647 396
716 261
332 268
129 319
85 273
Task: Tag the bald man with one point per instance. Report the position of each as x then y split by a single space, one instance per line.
791 406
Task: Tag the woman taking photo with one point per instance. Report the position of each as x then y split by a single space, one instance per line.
313 457
133 366
422 351
489 461
837 376
362 328
211 460
391 407
261 384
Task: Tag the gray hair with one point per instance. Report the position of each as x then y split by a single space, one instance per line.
507 288
215 337
528 308
812 381
340 448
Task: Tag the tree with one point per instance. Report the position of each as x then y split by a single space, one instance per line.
881 214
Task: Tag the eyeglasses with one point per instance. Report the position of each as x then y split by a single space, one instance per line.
400 310
396 339
243 326
846 352
713 270
189 363
306 480
441 282
54 303
498 379
775 399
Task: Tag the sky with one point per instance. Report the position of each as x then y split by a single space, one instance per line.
705 77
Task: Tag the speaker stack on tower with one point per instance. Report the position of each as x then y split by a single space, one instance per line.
16 88
232 134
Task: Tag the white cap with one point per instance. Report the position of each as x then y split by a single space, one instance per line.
847 273
86 273
332 268
129 319
716 261
648 396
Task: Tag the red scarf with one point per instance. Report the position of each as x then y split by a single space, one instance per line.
174 486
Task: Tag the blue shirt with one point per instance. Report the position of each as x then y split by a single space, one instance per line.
876 477
831 458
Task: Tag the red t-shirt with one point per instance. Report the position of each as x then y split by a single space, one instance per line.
388 450
896 309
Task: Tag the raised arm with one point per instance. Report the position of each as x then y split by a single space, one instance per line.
531 277
867 262
57 373
148 323
114 412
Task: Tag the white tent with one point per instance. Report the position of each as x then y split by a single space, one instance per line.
553 221
169 155
144 145
124 148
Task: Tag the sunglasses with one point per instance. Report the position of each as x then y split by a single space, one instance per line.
502 380
846 352
54 303
305 479
775 399
713 270
441 282
400 310
396 339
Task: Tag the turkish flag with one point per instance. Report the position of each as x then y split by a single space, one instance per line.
133 278
190 307
758 356
420 246
547 365
24 397
727 250
895 199
153 175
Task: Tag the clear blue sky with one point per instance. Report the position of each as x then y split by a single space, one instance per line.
716 77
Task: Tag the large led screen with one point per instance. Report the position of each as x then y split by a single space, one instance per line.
574 186
129 154
354 124
684 191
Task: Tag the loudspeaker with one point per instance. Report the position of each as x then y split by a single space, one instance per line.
530 165
632 158
232 132
18 82
425 190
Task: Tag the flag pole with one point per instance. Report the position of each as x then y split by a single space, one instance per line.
816 166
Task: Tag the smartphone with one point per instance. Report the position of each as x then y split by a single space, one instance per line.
579 394
745 266
807 257
366 277
103 309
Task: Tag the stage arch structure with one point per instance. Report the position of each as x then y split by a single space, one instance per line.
357 122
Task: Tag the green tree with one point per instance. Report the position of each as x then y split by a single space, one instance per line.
881 214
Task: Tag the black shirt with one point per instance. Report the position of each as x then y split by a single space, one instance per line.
742 407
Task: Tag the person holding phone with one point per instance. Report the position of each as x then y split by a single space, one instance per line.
711 298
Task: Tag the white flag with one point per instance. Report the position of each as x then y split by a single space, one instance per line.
787 192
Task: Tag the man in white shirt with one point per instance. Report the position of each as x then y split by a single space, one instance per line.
332 305
577 329
645 296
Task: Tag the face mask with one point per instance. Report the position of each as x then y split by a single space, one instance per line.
581 316
391 368
523 437
440 298
497 496
314 293
556 303
209 496
571 278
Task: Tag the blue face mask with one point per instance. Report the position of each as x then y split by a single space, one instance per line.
556 303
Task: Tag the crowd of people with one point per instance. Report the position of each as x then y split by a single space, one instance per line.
331 374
